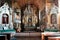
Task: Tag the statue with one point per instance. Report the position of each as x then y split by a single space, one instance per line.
17 19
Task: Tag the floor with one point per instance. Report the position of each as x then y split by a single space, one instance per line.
28 38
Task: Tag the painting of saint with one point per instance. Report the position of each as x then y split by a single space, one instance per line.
53 19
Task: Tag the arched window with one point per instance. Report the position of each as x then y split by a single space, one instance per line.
53 19
5 19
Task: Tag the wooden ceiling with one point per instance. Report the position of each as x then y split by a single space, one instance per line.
19 3
39 3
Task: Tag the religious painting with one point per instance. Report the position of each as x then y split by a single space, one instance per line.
5 18
53 19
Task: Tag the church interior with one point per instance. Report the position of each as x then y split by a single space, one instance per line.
29 19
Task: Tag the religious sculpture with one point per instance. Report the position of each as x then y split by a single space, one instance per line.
30 17
17 19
